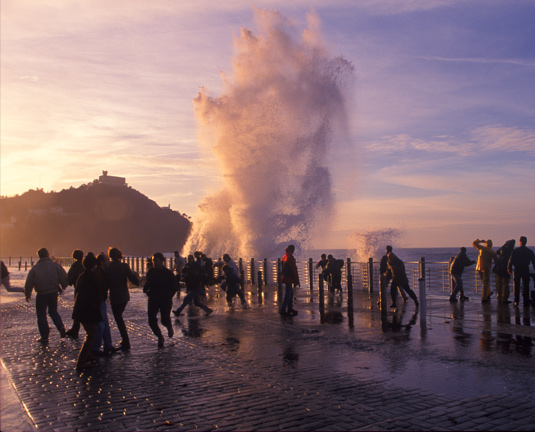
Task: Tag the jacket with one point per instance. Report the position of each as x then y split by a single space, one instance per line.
504 254
46 277
117 278
486 256
289 272
161 284
87 301
460 261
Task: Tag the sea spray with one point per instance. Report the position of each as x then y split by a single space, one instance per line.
372 243
271 132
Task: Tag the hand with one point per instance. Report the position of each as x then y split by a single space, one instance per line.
27 299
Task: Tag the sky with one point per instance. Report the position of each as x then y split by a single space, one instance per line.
441 141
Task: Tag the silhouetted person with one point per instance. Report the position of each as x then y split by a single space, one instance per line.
386 273
322 263
484 266
103 333
86 308
521 257
227 260
289 279
458 264
6 279
193 278
119 274
232 286
502 273
73 274
48 278
399 278
160 287
334 272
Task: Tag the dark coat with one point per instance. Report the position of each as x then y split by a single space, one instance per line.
118 275
87 301
161 284
504 254
460 261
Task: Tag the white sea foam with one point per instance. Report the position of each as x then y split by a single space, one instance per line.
270 131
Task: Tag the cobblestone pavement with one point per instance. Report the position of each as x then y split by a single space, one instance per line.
468 367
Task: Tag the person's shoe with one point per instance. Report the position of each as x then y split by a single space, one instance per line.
506 302
63 333
125 346
393 306
43 340
85 365
487 300
453 299
293 312
72 334
111 350
160 341
209 312
463 298
177 313
170 331
283 313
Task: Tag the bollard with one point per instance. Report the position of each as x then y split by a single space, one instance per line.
321 299
350 299
370 276
423 305
259 280
311 276
252 271
421 266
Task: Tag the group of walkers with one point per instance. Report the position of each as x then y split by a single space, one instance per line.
99 278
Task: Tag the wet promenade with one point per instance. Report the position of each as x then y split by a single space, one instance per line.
470 367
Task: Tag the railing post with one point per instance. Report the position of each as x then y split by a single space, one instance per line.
252 271
370 275
279 283
421 267
240 268
311 276
265 271
349 295
321 298
450 278
259 280
423 304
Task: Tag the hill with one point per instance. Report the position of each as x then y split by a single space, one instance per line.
91 217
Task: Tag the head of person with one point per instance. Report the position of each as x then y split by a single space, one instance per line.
115 254
226 258
290 249
330 257
197 254
388 249
191 258
522 241
463 250
102 260
158 259
78 255
323 256
42 253
488 243
176 253
89 261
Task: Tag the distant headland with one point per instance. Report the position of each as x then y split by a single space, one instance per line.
105 212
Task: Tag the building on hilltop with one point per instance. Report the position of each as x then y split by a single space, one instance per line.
111 180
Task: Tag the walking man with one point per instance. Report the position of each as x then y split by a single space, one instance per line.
48 278
160 287
520 259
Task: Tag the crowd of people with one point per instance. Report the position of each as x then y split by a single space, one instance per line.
100 279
